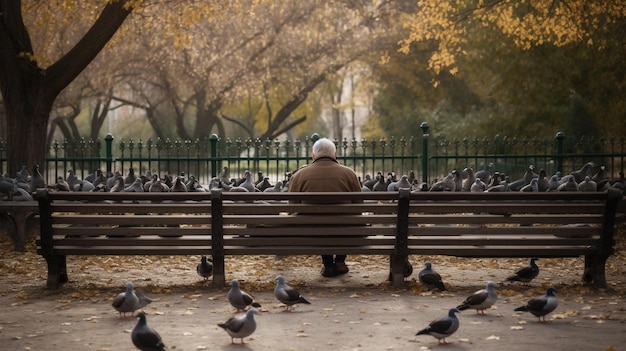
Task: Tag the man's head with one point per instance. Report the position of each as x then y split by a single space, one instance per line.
324 148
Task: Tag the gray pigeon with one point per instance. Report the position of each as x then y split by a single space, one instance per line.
470 180
136 186
37 180
585 170
129 301
178 186
541 306
446 184
402 183
569 184
240 299
542 181
205 267
588 185
526 274
553 183
478 186
247 183
533 187
443 327
485 174
481 299
430 278
145 338
241 325
61 184
287 295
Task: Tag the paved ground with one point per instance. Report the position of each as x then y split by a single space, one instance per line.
356 312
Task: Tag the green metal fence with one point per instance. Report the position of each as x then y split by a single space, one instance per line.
429 158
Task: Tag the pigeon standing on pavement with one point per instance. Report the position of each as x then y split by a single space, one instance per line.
525 274
144 337
240 299
287 295
481 299
129 302
240 326
430 278
443 327
541 306
204 268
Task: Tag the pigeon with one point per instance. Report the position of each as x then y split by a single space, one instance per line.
128 301
481 299
542 181
264 184
470 180
61 184
287 295
145 338
553 183
20 194
247 183
430 278
240 299
380 184
130 178
569 185
541 306
37 180
588 185
446 184
485 174
400 184
580 174
525 180
478 186
525 274
178 186
533 187
205 267
240 326
136 186
443 327
277 188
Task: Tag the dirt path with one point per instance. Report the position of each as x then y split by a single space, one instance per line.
356 312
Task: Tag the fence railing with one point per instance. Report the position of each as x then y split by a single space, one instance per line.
428 157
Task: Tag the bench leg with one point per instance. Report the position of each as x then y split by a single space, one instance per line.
397 268
219 271
595 271
57 271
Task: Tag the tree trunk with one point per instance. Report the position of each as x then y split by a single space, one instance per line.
29 91
27 121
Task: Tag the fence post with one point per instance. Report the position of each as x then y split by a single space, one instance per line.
559 151
109 153
214 168
424 127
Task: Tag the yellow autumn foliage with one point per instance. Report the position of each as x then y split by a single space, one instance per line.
527 23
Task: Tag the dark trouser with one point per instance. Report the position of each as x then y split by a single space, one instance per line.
330 260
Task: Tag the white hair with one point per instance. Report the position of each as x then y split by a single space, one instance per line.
324 148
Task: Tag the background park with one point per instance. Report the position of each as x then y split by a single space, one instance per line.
385 79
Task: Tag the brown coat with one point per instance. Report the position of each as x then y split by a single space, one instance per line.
324 174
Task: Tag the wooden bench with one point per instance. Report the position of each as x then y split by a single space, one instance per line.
20 220
396 224
515 224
